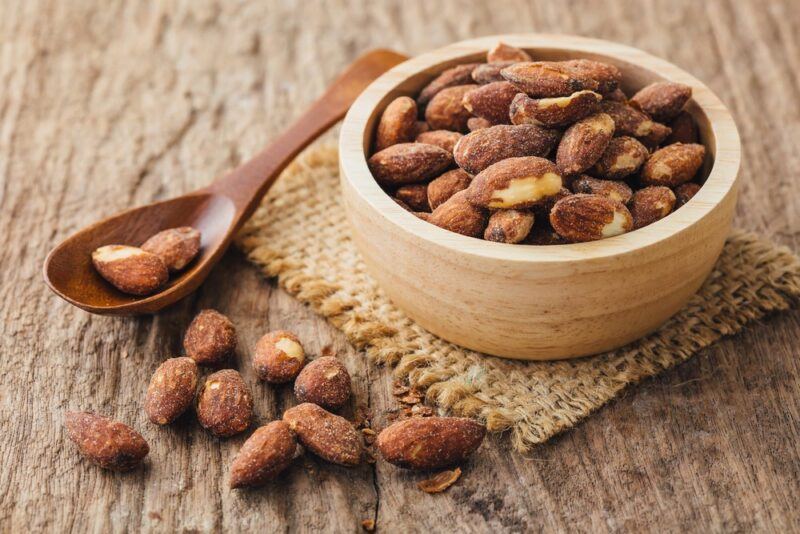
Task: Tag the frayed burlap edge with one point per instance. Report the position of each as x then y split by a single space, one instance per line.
306 247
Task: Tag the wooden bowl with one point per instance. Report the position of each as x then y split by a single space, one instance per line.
540 302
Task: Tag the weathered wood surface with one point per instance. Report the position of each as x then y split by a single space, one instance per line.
108 104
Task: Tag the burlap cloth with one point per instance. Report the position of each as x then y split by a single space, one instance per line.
300 235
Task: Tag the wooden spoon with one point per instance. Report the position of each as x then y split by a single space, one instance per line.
218 210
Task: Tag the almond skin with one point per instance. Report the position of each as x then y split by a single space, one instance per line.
632 122
651 204
446 110
327 435
504 53
685 192
105 442
408 163
580 218
509 226
263 456
491 101
623 157
458 75
553 112
515 183
279 357
584 143
224 404
478 150
325 381
489 72
544 79
683 129
447 185
210 338
458 215
414 195
130 269
171 390
478 123
619 191
398 123
430 442
176 247
662 100
673 165
444 139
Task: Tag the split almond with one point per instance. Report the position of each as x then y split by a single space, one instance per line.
444 139
446 110
105 442
505 53
491 101
584 143
398 123
458 215
327 435
662 100
210 338
579 218
176 247
279 357
171 390
509 226
263 456
130 269
447 185
478 150
623 156
515 183
619 191
224 404
554 111
325 381
458 75
408 163
651 204
430 442
673 165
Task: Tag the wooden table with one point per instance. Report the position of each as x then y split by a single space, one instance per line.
108 104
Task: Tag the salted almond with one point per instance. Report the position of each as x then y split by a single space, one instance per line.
130 269
509 226
623 156
651 204
584 143
491 101
279 357
325 381
430 442
619 191
515 183
580 218
447 185
171 390
105 442
542 79
327 435
446 110
263 456
605 76
673 165
398 123
478 123
555 111
444 139
630 121
408 163
662 100
489 72
503 53
458 75
176 247
414 195
458 215
477 150
683 129
685 192
224 404
210 338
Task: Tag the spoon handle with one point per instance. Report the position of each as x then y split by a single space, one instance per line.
246 184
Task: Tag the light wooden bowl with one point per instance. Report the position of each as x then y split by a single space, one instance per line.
540 302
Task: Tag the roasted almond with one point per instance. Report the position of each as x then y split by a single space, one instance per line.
130 269
105 442
325 381
602 77
279 357
458 75
489 72
619 191
458 215
584 143
478 150
555 111
632 122
580 218
662 100
398 123
408 163
171 390
264 455
651 204
673 165
430 442
478 123
514 183
683 129
176 247
327 435
617 95
414 195
447 185
444 139
685 192
210 338
446 110
509 226
623 157
503 53
224 404
491 101
543 79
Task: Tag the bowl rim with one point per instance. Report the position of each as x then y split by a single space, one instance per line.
720 182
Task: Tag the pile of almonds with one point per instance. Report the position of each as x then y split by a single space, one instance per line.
538 152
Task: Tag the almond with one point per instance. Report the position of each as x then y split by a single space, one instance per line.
617 95
543 234
583 143
478 150
580 218
327 435
130 269
673 165
514 183
444 139
509 226
325 381
458 75
210 338
430 442
662 100
279 357
623 157
619 191
414 195
171 390
421 128
651 204
632 122
408 163
489 72
224 404
263 456
683 129
606 77
176 247
478 123
555 111
491 101
685 192
447 185
105 442
459 216
446 110
544 79
543 208
398 123
504 53
424 215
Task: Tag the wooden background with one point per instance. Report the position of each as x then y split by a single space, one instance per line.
107 104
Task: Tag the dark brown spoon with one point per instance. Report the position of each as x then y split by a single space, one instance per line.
218 210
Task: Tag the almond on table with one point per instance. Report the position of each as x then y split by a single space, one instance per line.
264 455
430 442
210 339
105 442
279 357
327 435
325 381
224 404
171 390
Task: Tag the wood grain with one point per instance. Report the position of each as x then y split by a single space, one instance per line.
111 104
